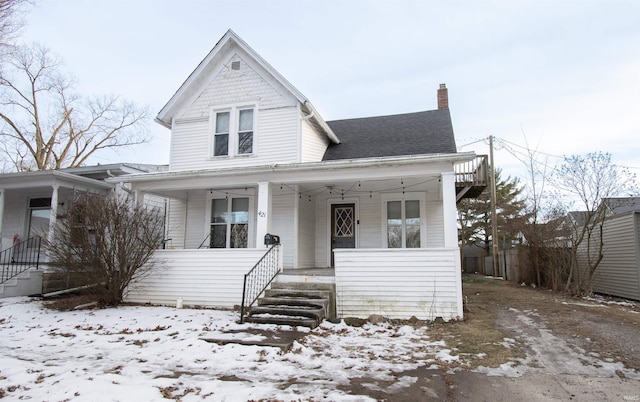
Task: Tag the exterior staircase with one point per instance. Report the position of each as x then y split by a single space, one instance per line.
302 298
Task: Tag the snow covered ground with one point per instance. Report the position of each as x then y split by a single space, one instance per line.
142 353
154 353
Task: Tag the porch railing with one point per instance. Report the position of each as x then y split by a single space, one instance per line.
258 279
471 177
19 258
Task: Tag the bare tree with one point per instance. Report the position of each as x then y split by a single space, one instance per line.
10 21
46 125
107 243
590 179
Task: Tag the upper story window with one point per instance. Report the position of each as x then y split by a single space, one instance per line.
221 136
245 131
233 132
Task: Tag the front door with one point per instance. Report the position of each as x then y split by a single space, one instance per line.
343 227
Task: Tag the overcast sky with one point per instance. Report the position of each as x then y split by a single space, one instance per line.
565 74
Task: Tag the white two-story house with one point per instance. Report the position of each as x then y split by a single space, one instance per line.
372 198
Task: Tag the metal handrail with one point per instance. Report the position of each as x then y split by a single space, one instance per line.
259 278
205 239
21 257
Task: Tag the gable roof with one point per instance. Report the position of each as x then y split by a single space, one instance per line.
420 133
197 80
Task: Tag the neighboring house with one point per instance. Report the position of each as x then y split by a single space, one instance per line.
619 271
374 198
30 203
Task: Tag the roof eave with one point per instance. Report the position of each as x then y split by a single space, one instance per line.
299 167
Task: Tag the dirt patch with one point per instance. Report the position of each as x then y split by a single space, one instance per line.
477 340
499 313
71 302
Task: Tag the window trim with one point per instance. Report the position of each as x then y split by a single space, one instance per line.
31 208
421 197
233 141
217 195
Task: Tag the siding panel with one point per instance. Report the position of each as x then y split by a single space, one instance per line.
275 139
314 144
205 277
399 283
306 233
618 272
195 231
176 222
282 225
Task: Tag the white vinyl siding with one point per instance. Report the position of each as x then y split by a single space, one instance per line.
313 143
177 212
435 223
398 283
189 144
306 233
15 216
205 277
274 139
619 270
196 211
282 220
237 86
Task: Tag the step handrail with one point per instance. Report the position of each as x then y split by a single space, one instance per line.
259 278
19 258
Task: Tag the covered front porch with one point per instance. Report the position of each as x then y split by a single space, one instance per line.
386 227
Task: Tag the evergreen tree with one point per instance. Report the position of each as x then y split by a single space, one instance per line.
474 215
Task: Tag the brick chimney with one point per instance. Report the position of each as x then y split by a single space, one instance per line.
443 97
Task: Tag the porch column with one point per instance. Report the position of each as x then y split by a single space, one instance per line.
450 214
54 213
2 191
263 222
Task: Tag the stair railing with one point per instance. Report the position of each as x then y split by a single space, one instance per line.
21 257
259 278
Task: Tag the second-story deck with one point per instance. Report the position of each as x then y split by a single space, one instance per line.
471 177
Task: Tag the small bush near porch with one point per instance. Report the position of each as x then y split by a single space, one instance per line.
106 244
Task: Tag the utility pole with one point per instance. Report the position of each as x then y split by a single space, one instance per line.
494 217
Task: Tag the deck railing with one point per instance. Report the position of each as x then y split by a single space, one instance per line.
258 279
20 257
473 173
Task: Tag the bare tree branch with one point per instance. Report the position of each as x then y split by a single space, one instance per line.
43 118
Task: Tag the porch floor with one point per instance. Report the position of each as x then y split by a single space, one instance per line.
310 272
307 275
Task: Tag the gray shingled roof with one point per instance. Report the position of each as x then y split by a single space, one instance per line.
418 133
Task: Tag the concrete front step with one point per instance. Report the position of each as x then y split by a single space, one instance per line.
294 310
310 290
297 301
300 300
294 313
281 320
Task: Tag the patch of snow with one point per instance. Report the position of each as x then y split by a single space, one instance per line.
552 354
149 353
605 300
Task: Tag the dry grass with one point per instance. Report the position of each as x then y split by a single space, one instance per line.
477 340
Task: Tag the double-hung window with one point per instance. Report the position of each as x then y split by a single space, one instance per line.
245 131
233 132
403 223
221 135
229 226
